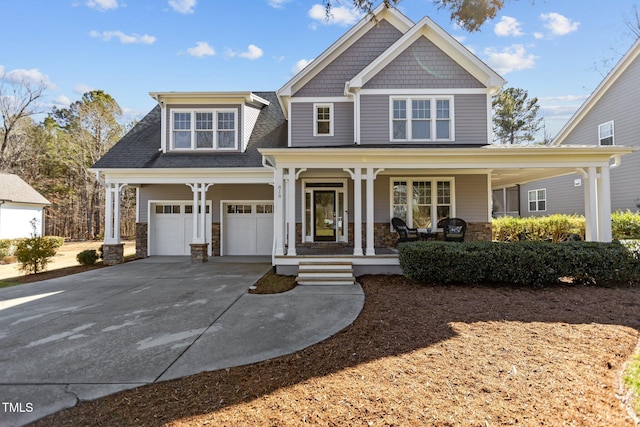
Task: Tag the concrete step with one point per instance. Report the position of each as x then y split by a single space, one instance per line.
325 273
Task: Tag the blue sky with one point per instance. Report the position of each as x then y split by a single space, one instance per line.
558 50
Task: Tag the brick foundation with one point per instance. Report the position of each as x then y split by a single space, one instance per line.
142 236
199 252
215 239
113 254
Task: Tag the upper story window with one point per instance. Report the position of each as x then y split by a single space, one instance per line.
323 120
204 129
605 133
421 119
538 200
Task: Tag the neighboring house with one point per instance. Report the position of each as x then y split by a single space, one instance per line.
21 207
393 119
609 117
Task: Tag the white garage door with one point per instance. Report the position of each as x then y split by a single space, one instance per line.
248 228
172 228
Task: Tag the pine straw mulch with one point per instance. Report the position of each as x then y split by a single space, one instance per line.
418 355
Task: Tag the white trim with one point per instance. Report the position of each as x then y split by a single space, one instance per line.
163 127
308 238
426 92
214 112
392 15
434 196
489 118
238 202
316 121
613 133
537 200
444 41
209 97
433 119
320 99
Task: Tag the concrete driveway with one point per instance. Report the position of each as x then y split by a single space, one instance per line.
92 334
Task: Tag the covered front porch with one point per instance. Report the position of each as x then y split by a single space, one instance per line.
359 190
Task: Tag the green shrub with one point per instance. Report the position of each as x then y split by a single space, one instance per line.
552 228
57 241
6 247
524 263
35 253
625 225
88 257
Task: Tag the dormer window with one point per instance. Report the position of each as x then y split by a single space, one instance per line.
204 129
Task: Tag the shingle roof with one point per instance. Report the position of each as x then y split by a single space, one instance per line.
14 189
140 148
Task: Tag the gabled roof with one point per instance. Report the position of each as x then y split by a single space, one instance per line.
391 15
15 189
444 41
140 148
632 54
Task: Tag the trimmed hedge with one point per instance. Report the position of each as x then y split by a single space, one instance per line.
88 257
535 264
560 228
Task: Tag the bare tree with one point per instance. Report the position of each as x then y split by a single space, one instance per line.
469 14
18 100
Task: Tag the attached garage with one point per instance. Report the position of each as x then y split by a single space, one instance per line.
171 227
247 228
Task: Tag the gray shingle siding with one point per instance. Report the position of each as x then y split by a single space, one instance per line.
140 148
423 66
302 115
330 81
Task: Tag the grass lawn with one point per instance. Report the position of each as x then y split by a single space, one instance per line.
418 355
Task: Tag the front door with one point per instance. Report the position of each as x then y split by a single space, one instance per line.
324 203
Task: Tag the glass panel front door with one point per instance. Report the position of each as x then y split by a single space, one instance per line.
324 216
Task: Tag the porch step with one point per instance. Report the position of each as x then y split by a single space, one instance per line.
325 273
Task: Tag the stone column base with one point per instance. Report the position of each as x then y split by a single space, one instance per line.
113 254
199 252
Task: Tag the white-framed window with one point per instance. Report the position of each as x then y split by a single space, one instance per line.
421 118
422 201
605 133
537 200
204 129
322 119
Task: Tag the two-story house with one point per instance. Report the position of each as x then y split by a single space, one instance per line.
609 117
392 120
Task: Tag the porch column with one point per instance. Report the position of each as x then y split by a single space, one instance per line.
590 205
278 212
112 214
371 251
199 245
291 211
604 206
357 215
113 250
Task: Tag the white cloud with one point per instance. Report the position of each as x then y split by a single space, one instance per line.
538 35
124 38
563 98
183 6
278 4
62 101
253 52
102 4
508 26
201 49
558 25
340 15
299 66
512 58
22 75
82 88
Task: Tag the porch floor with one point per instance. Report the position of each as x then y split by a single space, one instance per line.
340 251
